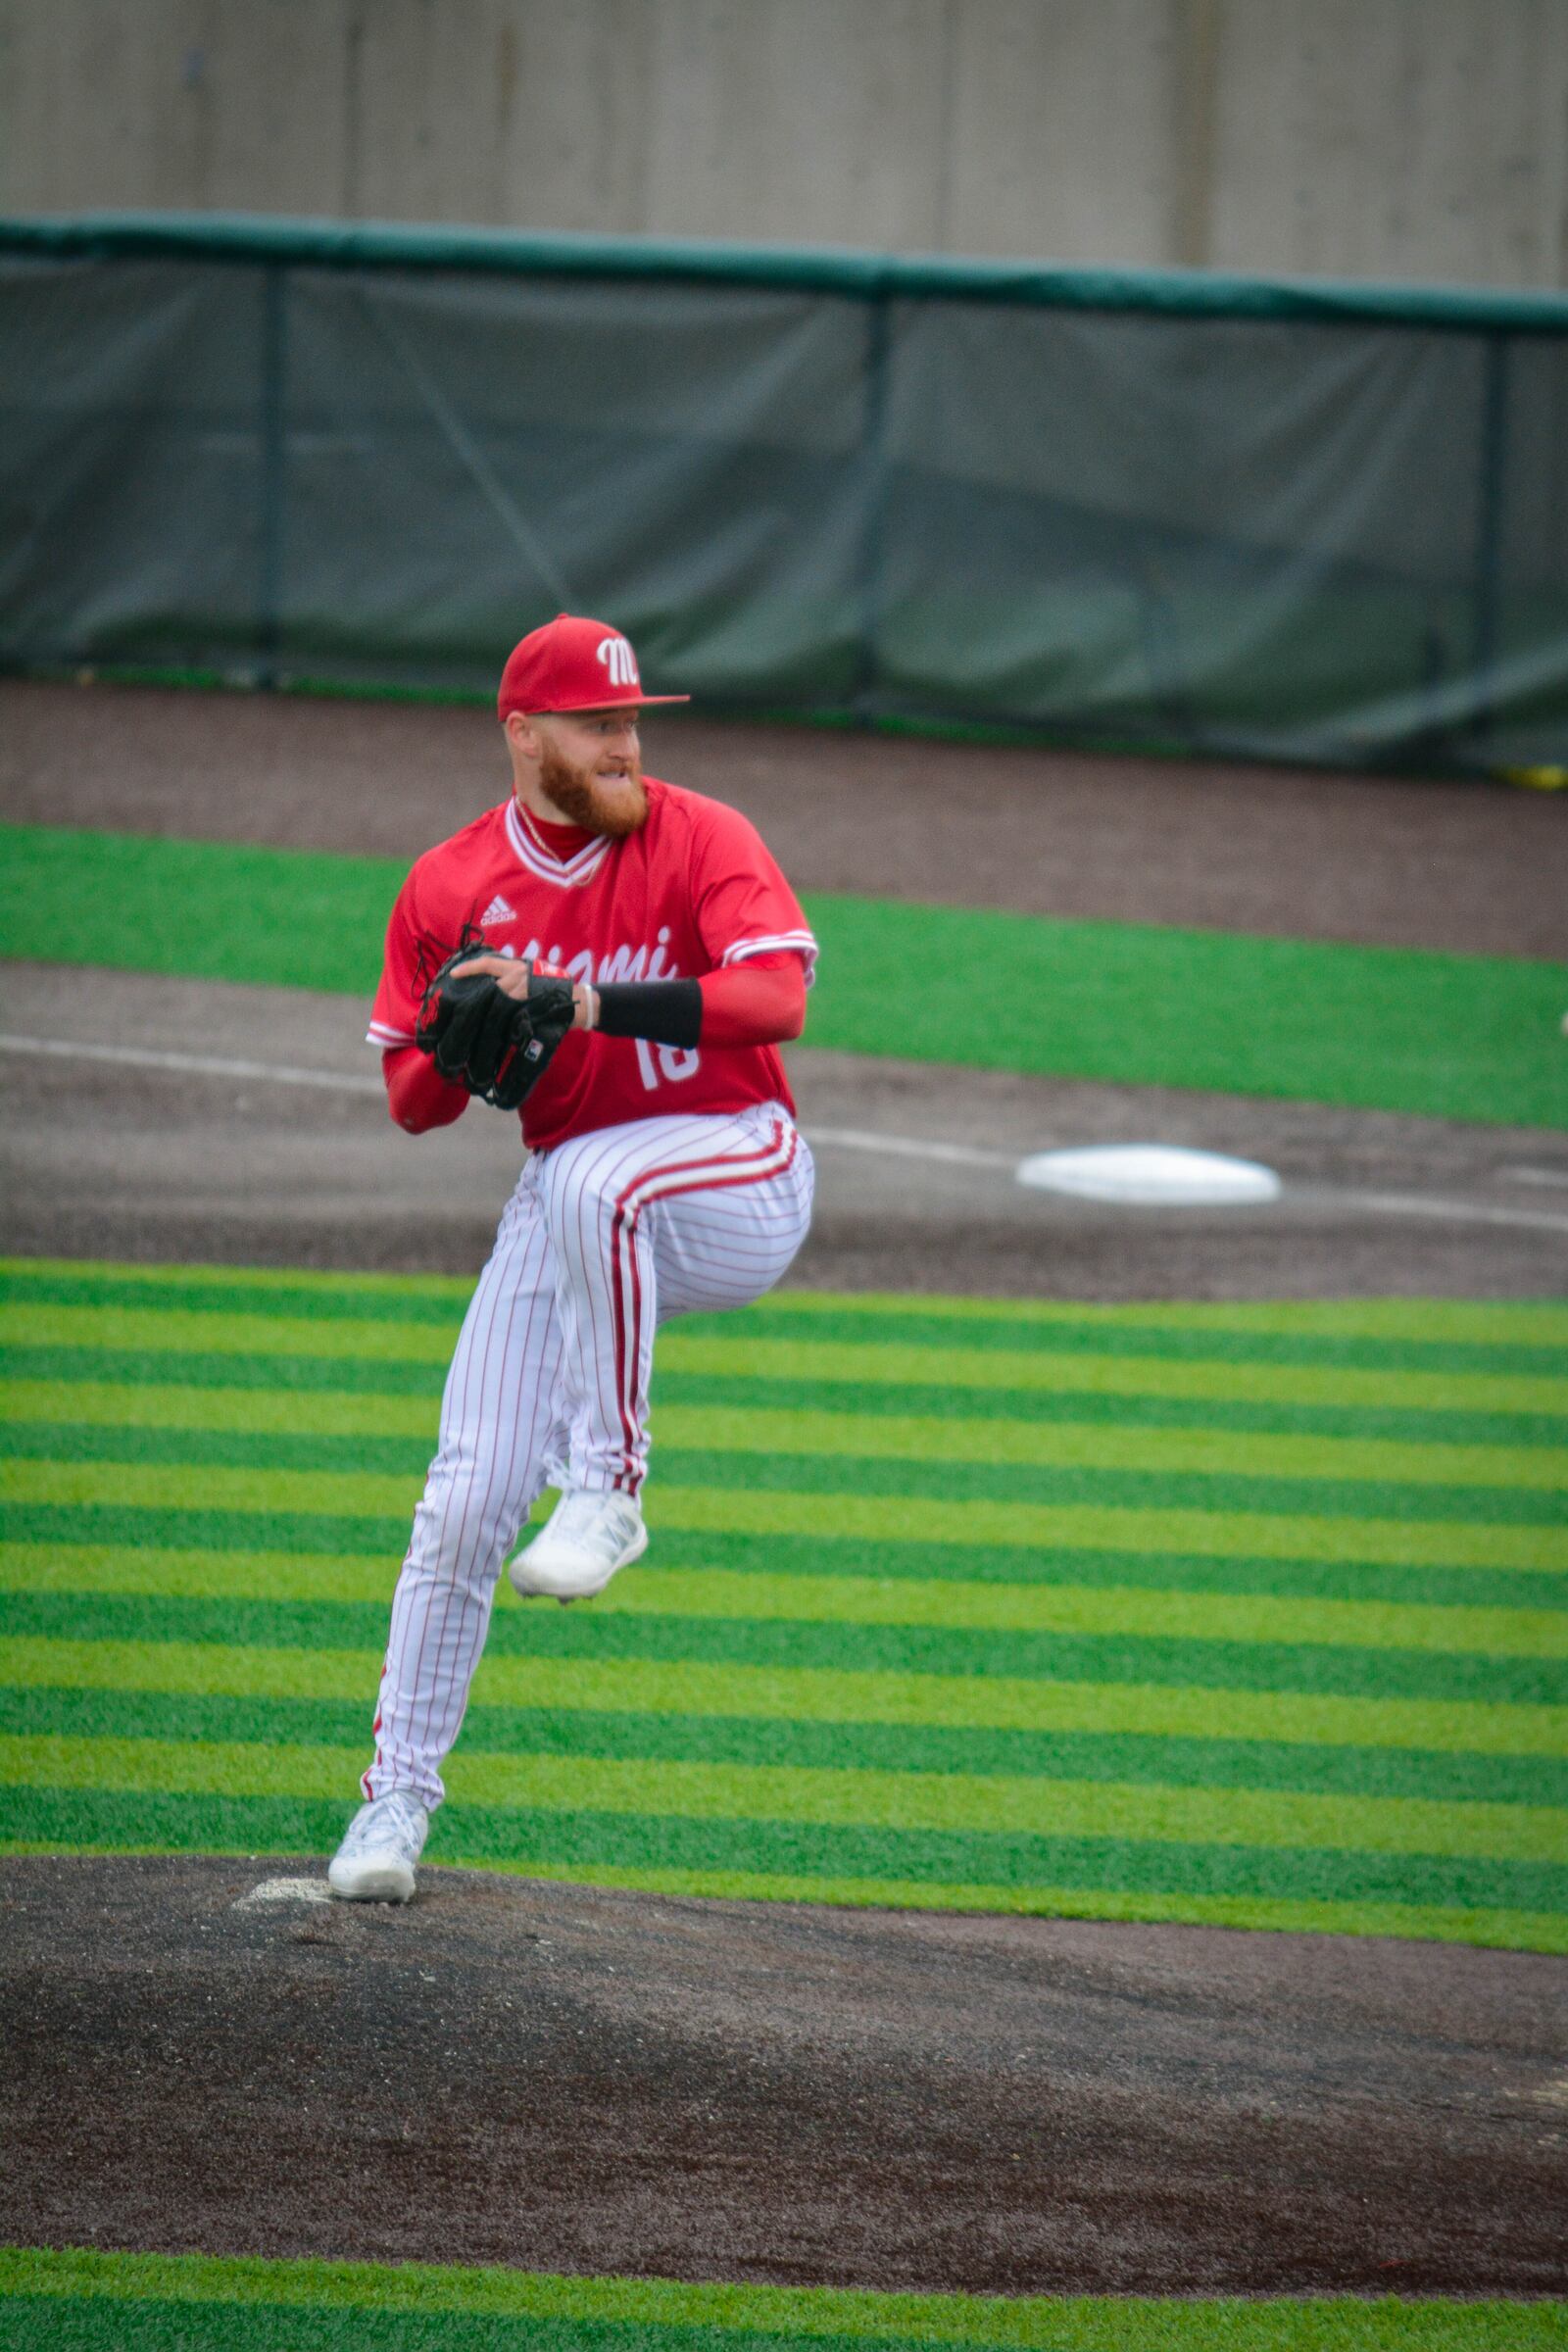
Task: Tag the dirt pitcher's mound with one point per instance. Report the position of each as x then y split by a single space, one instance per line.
571 2080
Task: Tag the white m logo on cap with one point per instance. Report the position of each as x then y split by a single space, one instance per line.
620 661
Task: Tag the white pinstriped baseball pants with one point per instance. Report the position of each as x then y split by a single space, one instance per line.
604 1238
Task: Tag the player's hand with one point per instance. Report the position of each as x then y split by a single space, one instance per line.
491 1035
511 978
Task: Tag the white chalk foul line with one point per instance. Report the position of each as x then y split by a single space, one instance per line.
198 1065
906 1147
1458 1212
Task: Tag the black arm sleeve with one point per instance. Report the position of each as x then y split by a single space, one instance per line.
667 1013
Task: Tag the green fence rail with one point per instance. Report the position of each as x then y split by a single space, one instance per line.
1291 521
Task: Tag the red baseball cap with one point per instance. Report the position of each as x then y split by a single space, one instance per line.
573 664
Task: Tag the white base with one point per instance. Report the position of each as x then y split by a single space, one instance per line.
1150 1176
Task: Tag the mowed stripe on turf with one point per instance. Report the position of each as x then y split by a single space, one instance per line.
904 1438
124 1385
60 1528
1286 1536
939 1602
1216 1374
981 1621
980 1805
914 1483
35 1702
1377 1329
694 1689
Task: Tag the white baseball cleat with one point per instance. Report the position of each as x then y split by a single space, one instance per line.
588 1537
375 1864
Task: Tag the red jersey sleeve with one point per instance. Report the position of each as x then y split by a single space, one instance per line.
742 903
421 934
419 1097
759 1002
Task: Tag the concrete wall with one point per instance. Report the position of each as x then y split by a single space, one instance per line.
1405 139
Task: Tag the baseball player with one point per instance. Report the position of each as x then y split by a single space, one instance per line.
620 959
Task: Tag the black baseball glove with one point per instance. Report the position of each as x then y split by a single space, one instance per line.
496 1045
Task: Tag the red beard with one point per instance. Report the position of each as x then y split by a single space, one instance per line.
577 792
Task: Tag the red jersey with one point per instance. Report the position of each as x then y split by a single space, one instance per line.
694 888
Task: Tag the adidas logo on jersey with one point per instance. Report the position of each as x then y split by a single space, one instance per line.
498 912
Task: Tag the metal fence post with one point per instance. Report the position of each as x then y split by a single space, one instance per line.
874 439
271 483
1488 559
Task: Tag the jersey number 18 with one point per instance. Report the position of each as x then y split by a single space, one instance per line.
674 1063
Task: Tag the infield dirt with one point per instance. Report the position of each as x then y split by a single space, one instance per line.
570 2079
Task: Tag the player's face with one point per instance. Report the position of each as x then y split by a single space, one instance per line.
590 765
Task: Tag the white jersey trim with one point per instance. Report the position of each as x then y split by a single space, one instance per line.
779 943
378 1034
566 873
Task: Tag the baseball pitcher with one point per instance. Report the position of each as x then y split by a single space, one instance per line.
617 960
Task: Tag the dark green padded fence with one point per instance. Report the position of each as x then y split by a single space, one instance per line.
1300 521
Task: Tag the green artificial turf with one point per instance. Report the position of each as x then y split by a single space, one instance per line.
1466 1037
1253 1614
98 2302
